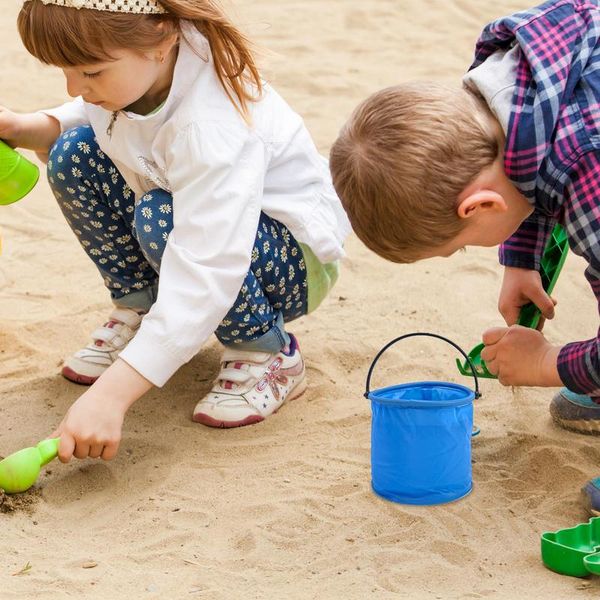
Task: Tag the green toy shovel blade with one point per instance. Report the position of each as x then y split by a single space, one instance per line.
478 363
19 471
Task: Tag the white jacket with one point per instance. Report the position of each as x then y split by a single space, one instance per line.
222 174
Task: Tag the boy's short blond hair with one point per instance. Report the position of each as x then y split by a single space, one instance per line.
401 161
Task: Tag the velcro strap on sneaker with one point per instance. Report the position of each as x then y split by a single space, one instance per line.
127 316
234 375
112 337
234 355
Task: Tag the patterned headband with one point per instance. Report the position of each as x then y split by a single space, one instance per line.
125 6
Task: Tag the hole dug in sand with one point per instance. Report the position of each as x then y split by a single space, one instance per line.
25 502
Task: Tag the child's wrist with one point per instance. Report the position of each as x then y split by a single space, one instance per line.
549 375
122 384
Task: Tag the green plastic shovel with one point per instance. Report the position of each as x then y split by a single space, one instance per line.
553 259
19 471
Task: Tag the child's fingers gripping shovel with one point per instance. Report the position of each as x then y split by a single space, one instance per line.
552 262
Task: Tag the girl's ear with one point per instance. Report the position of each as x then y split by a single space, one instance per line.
481 200
163 49
167 44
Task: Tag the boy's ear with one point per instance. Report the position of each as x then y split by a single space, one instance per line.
481 200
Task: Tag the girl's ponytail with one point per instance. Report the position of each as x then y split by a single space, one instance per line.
231 50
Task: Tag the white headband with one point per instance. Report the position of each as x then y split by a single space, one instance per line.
125 6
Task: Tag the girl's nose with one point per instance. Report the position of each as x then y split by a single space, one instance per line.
76 84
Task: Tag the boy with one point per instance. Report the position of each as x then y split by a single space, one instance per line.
424 171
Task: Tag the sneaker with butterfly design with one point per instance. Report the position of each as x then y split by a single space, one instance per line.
251 386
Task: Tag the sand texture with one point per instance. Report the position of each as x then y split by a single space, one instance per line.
284 509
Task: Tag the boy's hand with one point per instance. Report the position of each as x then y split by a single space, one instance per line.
519 287
520 356
91 427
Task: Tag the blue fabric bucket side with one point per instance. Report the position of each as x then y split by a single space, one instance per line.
421 442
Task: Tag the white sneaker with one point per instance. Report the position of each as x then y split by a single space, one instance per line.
251 386
107 342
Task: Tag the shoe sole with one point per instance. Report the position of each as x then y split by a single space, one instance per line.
588 505
71 375
251 419
587 427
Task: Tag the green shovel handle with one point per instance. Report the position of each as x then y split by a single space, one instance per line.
48 450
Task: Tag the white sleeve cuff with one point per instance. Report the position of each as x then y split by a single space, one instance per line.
157 365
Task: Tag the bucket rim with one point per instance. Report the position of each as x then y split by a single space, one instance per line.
374 395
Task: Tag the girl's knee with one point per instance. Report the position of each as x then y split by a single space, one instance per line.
70 148
153 222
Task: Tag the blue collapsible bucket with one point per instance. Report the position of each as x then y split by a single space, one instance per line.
421 437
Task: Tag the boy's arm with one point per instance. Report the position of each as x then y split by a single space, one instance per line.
579 366
579 362
521 256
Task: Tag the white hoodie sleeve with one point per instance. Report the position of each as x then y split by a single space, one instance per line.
216 173
70 114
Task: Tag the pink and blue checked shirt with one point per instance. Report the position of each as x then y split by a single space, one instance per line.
552 152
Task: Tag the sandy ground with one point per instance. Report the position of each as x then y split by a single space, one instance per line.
284 508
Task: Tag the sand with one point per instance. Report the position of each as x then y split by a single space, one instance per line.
284 509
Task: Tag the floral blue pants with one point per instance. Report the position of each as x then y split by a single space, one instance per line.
125 237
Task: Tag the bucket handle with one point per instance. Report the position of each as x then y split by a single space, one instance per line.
433 335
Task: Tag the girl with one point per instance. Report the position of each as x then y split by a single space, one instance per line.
197 193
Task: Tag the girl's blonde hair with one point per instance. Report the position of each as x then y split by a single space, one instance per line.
67 37
401 161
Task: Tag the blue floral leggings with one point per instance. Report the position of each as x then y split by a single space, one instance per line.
125 237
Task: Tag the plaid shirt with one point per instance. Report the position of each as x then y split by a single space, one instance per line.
552 152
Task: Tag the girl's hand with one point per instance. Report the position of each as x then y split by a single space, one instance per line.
520 356
519 287
92 426
9 126
35 131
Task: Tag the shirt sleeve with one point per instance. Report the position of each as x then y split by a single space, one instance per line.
579 362
216 174
69 115
525 247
